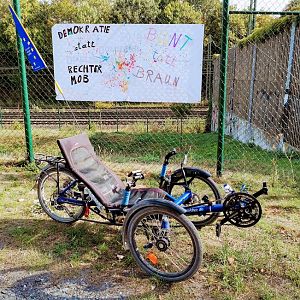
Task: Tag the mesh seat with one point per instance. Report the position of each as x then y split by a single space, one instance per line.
103 182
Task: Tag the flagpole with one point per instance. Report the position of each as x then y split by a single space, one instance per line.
25 98
37 63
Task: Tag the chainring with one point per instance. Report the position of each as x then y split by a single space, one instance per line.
242 209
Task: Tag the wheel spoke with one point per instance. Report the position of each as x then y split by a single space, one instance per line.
165 251
48 192
203 188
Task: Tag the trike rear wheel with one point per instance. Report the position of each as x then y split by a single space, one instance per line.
164 243
50 183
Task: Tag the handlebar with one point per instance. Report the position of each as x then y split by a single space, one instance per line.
263 191
136 175
169 155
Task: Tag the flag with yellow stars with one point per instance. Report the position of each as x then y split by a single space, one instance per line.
33 54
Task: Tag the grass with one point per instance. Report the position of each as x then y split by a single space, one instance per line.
126 150
149 148
261 262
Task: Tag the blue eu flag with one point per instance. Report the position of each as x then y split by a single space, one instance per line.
33 54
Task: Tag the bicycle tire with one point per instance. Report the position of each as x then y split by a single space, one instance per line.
214 197
58 212
189 231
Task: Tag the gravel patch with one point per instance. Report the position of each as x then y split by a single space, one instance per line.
42 285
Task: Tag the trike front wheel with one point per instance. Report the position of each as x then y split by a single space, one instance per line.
204 191
164 243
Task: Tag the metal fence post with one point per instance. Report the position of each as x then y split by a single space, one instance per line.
231 98
58 110
147 124
253 16
1 125
209 84
290 63
251 93
26 109
89 117
117 119
285 119
223 86
250 18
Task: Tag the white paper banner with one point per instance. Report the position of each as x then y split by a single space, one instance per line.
140 63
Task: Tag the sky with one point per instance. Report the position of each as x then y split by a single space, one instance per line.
266 5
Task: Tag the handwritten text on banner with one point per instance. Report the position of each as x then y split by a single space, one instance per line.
141 63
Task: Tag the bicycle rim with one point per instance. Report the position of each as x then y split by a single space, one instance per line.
172 254
48 193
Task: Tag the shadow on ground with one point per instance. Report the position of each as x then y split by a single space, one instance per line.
42 259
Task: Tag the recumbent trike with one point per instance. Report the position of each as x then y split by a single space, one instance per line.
158 232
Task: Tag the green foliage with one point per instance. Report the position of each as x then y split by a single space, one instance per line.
211 11
135 11
181 12
238 23
39 16
271 29
263 20
94 11
293 5
7 34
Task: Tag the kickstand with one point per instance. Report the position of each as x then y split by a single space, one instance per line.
219 226
218 229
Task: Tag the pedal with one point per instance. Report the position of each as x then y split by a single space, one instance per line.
136 175
263 191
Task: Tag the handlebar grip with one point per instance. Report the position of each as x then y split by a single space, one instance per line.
136 175
133 173
139 176
170 154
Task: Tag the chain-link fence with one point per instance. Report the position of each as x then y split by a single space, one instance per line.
262 107
262 118
125 135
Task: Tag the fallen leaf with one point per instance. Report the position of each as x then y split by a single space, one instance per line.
231 260
120 257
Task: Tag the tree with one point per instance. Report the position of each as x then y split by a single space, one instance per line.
211 15
135 11
238 26
94 11
177 12
293 5
263 20
7 26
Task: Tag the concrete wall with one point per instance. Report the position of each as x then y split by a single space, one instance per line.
260 109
